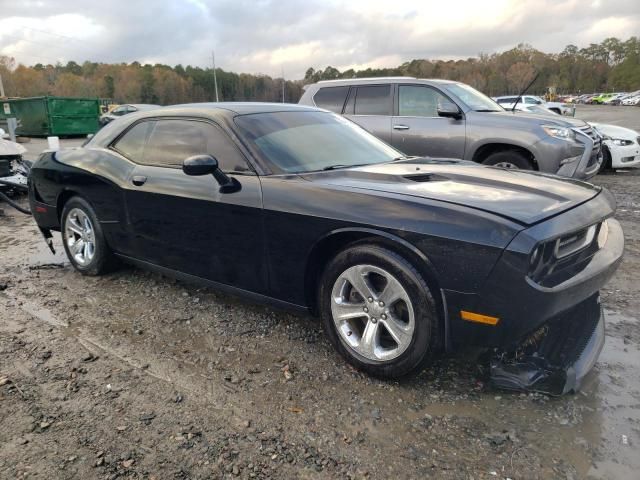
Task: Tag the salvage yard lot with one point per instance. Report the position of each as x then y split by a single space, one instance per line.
134 375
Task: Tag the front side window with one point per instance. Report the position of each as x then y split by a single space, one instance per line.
172 141
418 101
131 144
373 100
298 142
331 98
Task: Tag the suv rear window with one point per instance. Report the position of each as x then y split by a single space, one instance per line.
373 100
331 98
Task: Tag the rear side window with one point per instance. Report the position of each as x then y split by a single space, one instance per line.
131 144
331 98
172 141
373 100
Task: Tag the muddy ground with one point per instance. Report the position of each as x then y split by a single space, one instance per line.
133 375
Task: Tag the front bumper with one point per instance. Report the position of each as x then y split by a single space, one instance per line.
585 165
557 357
623 157
524 306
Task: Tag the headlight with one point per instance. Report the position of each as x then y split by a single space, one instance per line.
562 133
603 234
621 142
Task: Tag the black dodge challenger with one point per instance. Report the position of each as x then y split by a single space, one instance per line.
400 256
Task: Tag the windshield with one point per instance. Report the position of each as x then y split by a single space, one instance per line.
477 101
297 142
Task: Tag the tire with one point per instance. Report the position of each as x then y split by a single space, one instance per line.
509 159
413 316
80 228
606 160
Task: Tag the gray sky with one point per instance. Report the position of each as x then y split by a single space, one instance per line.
265 36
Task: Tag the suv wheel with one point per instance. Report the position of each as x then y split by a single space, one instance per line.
509 159
378 311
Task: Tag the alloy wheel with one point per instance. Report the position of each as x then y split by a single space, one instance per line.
80 236
372 313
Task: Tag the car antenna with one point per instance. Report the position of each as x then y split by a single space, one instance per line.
513 109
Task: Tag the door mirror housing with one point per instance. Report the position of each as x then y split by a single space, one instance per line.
449 110
199 165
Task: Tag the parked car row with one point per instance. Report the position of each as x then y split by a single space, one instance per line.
619 98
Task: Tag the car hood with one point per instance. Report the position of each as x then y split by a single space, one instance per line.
615 131
553 118
524 197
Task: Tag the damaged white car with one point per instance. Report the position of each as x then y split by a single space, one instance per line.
14 170
621 146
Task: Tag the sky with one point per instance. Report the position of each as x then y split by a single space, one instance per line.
275 36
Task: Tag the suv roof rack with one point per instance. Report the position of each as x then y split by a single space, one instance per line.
366 78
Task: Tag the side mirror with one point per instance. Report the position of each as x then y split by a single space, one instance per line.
198 165
449 110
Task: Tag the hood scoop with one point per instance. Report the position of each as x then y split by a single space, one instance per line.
425 177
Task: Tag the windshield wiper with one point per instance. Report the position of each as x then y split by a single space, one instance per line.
486 110
338 166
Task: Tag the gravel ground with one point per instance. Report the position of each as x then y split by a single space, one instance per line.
134 375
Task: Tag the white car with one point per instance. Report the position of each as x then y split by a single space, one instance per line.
621 146
561 108
635 100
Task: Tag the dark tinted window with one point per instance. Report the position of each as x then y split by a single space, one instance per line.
171 141
374 100
131 145
331 98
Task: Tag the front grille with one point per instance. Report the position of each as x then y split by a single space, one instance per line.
587 130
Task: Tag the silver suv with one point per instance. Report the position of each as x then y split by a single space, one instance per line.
441 118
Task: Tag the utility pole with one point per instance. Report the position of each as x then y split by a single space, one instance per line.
215 82
282 84
1 87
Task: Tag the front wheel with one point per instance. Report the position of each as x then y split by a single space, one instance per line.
509 159
378 311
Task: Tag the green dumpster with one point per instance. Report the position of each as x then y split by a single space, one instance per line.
54 116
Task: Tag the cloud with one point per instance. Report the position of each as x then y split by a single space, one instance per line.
265 36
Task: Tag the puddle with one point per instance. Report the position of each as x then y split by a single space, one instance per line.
42 314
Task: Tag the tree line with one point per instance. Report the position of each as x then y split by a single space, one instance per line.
612 65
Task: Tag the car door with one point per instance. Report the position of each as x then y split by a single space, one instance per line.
418 130
184 222
370 106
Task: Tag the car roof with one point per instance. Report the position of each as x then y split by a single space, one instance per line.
220 112
239 108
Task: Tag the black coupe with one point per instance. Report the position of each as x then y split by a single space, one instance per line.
400 256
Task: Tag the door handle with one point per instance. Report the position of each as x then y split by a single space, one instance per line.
138 180
401 127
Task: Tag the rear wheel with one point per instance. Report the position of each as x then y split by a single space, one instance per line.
84 240
378 311
509 159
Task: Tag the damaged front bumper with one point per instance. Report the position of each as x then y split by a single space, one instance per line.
556 357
